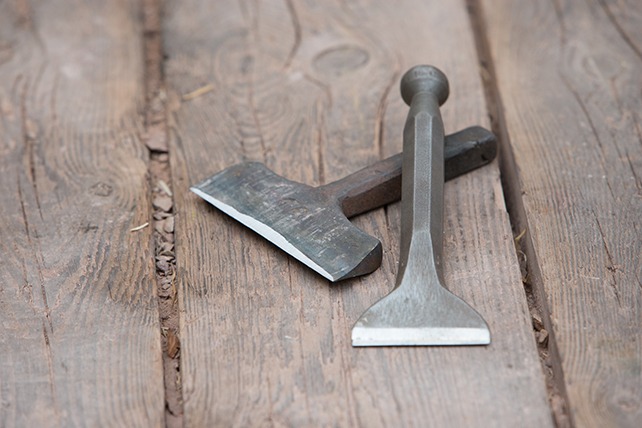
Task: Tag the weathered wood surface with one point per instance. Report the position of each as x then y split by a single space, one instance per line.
311 89
80 338
570 78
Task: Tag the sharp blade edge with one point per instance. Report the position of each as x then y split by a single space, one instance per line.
426 336
266 231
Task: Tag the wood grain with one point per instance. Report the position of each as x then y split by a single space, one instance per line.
569 75
311 89
80 338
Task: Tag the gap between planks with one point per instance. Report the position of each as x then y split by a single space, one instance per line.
531 275
162 222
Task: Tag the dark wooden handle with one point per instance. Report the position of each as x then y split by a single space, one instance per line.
380 184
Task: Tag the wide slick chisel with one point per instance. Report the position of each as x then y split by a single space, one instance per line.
420 311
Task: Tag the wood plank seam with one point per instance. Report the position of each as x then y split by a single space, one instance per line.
532 281
162 221
569 77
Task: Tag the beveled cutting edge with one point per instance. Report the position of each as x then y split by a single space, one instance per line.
419 310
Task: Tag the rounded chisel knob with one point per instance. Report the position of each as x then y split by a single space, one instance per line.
424 78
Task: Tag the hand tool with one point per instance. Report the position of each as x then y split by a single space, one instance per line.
419 310
311 223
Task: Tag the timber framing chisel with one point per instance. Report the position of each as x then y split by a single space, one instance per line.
419 310
311 223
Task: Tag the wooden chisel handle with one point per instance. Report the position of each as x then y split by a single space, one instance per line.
380 183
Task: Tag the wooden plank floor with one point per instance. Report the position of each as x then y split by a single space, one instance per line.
80 334
313 92
88 100
570 79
